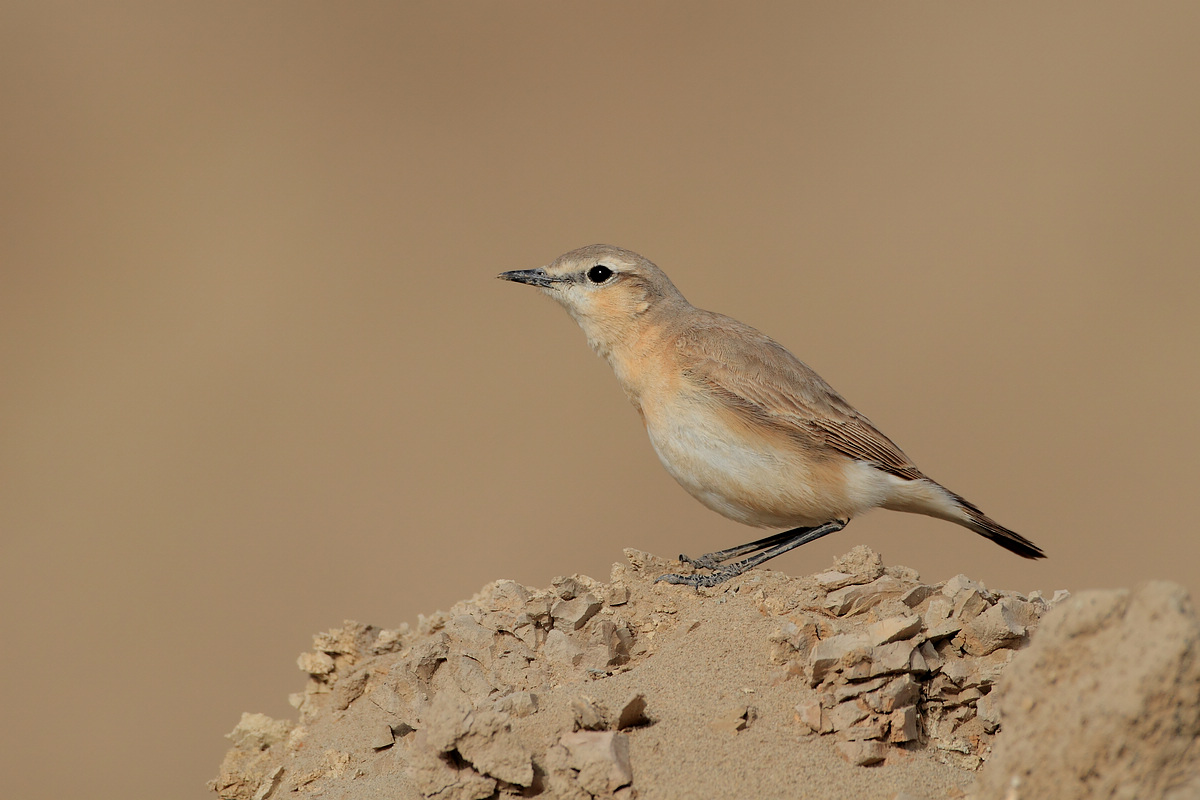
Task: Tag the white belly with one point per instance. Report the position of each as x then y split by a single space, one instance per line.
755 481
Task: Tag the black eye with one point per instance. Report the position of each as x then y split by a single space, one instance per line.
599 273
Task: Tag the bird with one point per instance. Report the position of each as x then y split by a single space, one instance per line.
744 426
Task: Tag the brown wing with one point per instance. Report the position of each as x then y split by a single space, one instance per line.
771 386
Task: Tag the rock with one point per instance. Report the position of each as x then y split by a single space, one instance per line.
844 715
350 640
428 655
916 662
437 777
1135 657
961 584
518 704
507 596
350 689
849 690
453 697
315 664
258 732
902 725
609 644
589 714
633 713
465 635
466 675
968 605
997 627
862 562
882 660
782 648
933 661
893 628
986 671
600 758
943 629
833 579
858 598
641 560
903 574
794 639
390 698
870 728
837 652
987 713
863 753
938 608
897 693
957 670
571 615
809 713
916 595
390 640
381 736
617 594
484 738
447 721
268 785
568 588
735 718
562 649
492 748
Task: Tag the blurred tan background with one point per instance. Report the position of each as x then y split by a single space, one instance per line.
258 376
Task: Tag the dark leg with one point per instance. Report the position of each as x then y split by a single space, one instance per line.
771 546
711 560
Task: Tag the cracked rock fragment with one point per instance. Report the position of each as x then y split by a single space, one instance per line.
633 713
862 753
893 629
590 714
860 597
571 615
443 778
997 627
601 759
735 718
483 738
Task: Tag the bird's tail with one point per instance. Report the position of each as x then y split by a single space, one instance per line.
984 525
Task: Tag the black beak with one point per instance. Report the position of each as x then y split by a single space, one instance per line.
533 277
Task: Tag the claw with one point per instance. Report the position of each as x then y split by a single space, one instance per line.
703 562
698 581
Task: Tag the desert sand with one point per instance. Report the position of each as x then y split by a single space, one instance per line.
859 681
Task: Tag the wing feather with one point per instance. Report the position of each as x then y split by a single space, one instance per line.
771 386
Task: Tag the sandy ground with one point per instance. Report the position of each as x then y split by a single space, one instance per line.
856 682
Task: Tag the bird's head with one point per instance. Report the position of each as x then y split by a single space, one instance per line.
612 293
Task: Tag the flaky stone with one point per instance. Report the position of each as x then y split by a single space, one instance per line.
601 758
859 597
571 615
902 725
862 753
893 629
997 627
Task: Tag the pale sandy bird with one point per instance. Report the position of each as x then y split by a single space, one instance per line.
744 426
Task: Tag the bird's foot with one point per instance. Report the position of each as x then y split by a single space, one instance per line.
697 580
705 561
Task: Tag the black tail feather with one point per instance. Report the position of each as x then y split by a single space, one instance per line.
984 525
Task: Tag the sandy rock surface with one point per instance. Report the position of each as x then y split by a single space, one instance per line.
1105 703
857 682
